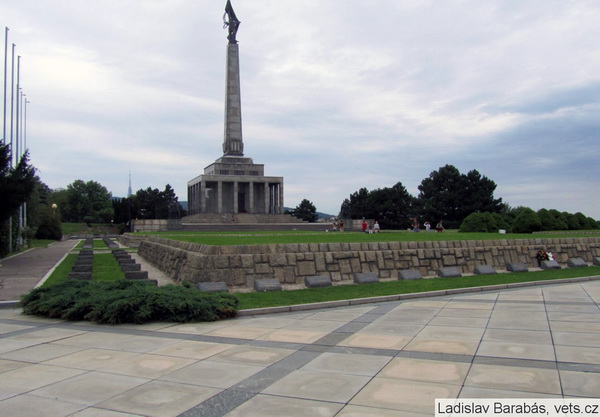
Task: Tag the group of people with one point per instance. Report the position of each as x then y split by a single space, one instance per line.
372 227
415 226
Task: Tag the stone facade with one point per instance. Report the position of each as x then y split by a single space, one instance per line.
240 266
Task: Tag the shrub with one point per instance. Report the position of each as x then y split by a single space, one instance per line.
127 302
527 221
480 222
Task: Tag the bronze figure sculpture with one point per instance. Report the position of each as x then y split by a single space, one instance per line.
232 22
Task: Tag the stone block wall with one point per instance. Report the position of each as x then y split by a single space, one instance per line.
240 266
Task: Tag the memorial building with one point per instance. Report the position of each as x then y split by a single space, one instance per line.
234 183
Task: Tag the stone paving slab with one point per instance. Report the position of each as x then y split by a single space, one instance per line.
382 359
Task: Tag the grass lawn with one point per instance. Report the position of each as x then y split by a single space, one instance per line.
254 238
106 268
348 292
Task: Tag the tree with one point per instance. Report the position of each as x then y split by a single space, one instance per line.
16 183
305 211
88 201
479 222
49 225
390 206
152 203
451 196
527 221
16 186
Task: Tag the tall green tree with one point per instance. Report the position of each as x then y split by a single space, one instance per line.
306 211
392 206
451 196
16 183
88 201
152 203
16 186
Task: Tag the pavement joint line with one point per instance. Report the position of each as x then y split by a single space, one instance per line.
231 398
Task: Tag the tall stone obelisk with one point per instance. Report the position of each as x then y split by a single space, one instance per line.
233 184
233 144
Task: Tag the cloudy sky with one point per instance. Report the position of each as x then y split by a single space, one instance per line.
336 95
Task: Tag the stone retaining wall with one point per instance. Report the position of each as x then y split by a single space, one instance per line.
239 266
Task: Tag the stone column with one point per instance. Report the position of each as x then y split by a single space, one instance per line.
220 197
235 197
267 197
250 209
202 196
281 198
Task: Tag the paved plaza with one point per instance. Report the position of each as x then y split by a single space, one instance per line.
385 359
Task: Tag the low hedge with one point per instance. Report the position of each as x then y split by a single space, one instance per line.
127 302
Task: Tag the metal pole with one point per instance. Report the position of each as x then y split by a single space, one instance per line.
25 126
12 100
25 150
16 154
5 79
12 94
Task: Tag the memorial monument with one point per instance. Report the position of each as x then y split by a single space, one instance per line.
234 183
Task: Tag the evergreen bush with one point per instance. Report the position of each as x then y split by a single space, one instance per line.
127 302
527 221
480 223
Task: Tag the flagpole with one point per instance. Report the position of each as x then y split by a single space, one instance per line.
12 99
17 106
5 79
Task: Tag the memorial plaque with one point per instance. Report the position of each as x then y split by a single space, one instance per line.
131 267
318 281
268 284
517 267
87 276
82 268
576 263
484 270
449 272
218 286
410 274
365 277
136 274
549 265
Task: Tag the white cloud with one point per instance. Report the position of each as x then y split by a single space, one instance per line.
335 96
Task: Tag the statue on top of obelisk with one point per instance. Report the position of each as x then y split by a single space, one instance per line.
233 23
233 145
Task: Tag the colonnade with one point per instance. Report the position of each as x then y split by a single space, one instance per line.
262 195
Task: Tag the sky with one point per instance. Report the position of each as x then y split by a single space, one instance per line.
336 95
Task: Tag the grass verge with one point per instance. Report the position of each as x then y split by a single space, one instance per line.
106 268
348 292
287 237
